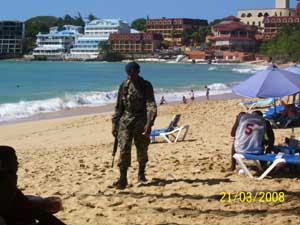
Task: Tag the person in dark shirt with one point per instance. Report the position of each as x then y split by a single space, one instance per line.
269 137
18 208
134 116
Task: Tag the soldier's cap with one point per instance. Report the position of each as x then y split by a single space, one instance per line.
132 67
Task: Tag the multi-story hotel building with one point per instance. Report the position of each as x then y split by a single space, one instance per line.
57 42
231 34
12 38
138 43
87 46
256 16
172 29
273 24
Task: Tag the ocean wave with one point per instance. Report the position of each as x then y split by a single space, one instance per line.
251 69
211 68
247 70
25 109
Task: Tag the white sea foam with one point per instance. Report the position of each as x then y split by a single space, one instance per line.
213 68
24 109
250 69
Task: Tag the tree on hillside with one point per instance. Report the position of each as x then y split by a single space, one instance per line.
139 24
91 17
106 53
285 46
78 20
104 47
196 37
214 22
43 23
34 26
68 19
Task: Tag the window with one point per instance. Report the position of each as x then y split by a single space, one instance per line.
249 15
243 15
260 14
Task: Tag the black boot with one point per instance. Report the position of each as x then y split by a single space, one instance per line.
141 174
122 182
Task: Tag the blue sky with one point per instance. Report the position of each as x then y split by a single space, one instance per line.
129 9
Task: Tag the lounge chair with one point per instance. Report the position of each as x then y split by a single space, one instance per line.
171 126
278 121
276 159
176 134
171 130
258 104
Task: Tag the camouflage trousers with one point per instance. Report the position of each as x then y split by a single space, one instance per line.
126 134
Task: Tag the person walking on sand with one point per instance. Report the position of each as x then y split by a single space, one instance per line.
207 92
162 100
134 116
192 95
184 101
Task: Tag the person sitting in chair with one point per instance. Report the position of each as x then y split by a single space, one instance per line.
269 137
251 134
288 115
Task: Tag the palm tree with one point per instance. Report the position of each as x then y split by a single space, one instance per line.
173 35
104 48
196 37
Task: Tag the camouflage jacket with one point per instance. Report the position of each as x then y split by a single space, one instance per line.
135 100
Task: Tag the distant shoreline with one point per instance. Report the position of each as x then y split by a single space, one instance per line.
154 60
149 60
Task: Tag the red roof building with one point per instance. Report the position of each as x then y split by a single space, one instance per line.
231 34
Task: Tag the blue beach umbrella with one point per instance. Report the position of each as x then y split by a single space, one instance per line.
270 83
293 69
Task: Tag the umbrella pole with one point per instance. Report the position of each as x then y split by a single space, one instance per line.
275 105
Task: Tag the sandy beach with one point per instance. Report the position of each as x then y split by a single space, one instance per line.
70 157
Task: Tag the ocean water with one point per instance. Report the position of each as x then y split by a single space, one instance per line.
30 88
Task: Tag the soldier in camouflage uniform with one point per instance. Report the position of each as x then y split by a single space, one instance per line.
134 116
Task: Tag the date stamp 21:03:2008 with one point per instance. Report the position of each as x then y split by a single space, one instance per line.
252 197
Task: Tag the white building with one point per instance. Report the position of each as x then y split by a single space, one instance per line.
57 42
256 16
87 46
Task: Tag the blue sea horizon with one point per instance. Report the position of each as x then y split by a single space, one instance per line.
30 88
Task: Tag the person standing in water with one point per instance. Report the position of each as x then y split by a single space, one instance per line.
207 92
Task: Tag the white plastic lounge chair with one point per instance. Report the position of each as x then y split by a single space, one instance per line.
276 159
171 127
251 105
175 134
